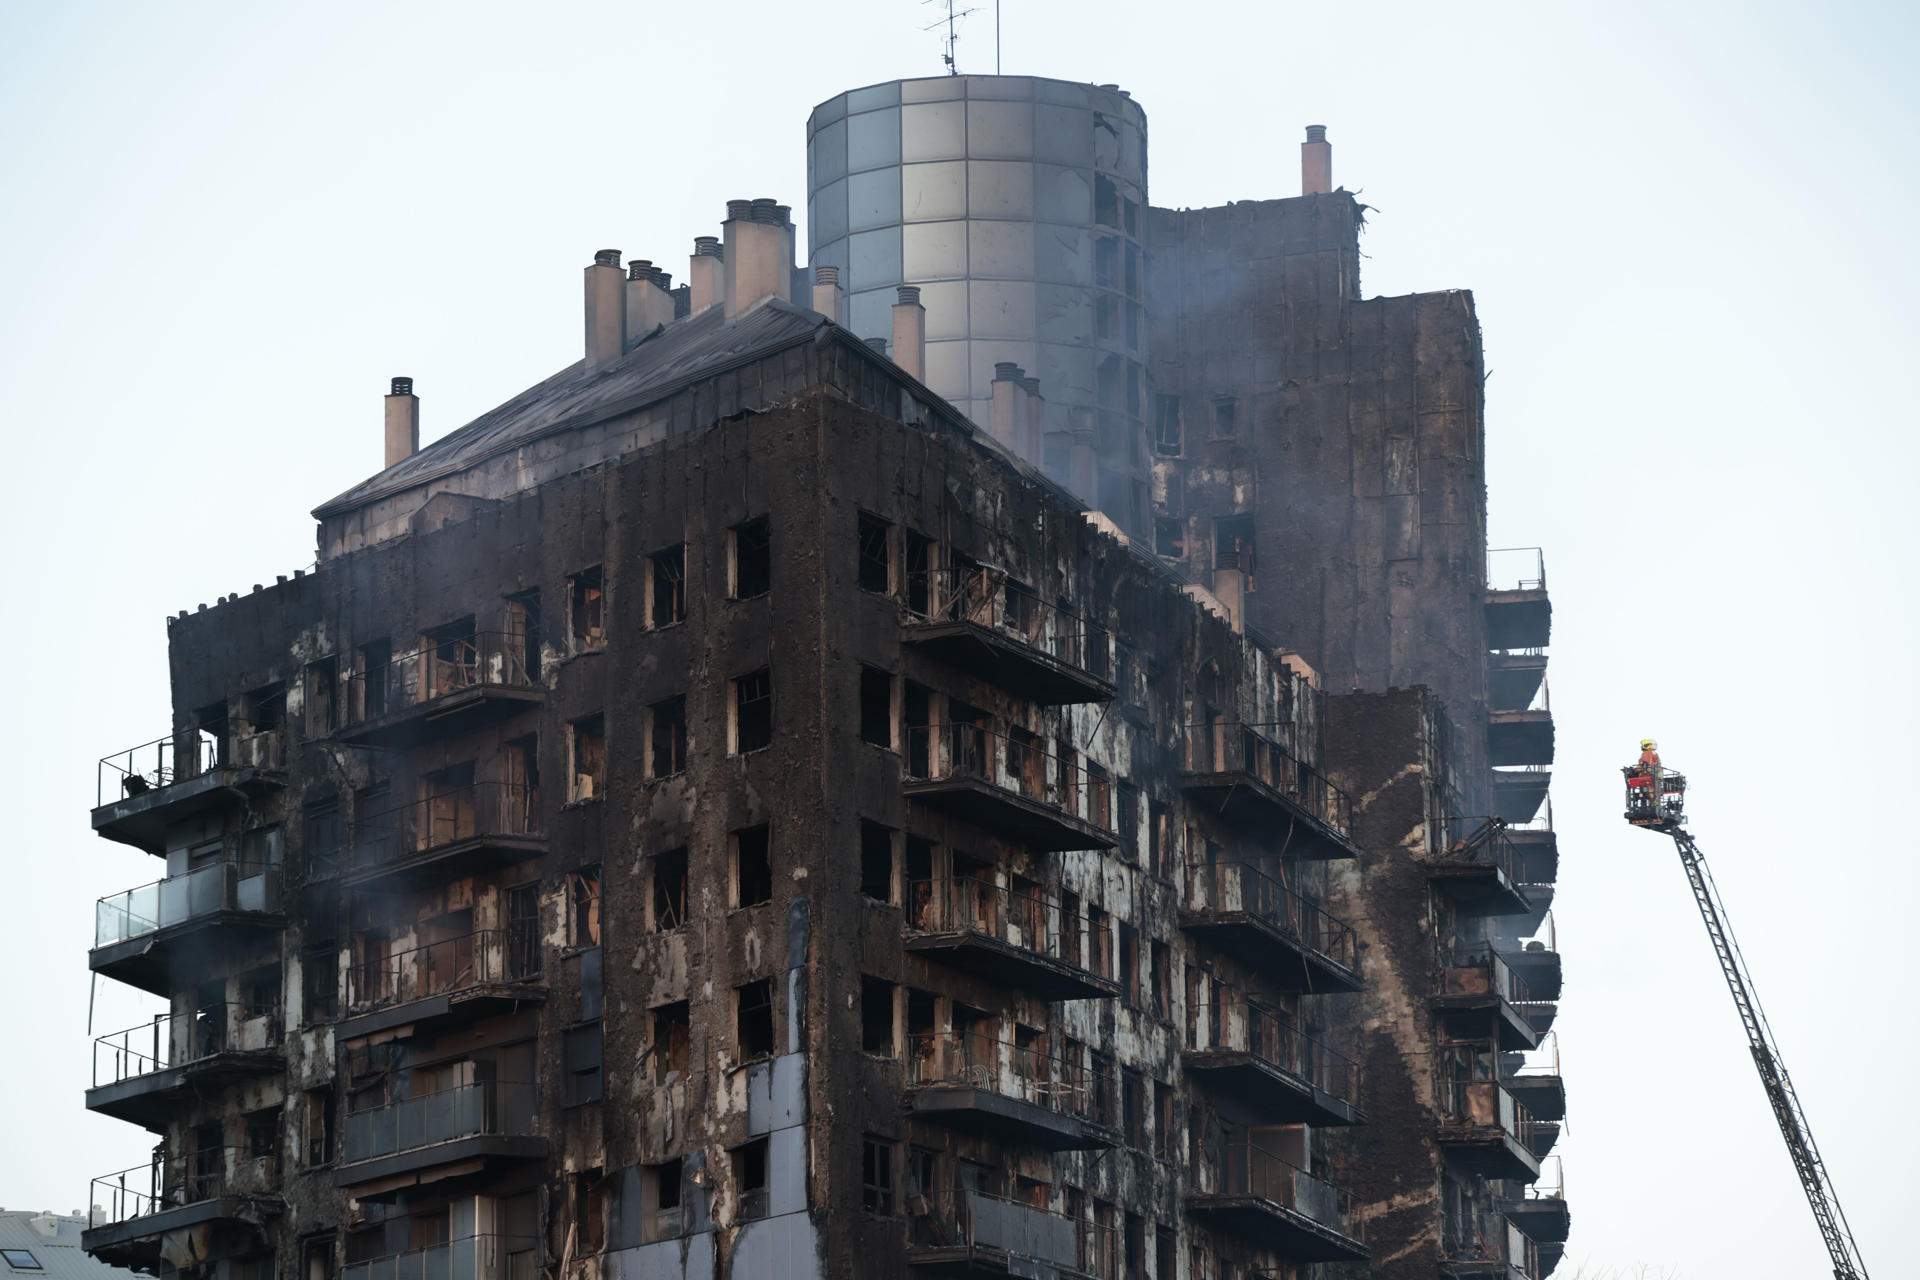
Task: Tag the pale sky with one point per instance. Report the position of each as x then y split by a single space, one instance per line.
1689 229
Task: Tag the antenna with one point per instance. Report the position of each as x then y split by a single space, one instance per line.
951 23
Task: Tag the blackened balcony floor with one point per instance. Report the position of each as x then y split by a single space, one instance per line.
1011 1120
1539 1015
1540 970
1544 1095
1478 888
1037 824
1007 661
152 1099
1290 826
455 712
150 960
1477 1013
1286 961
997 960
1488 1150
1519 619
1519 793
1480 1269
1545 1219
1546 1135
1536 855
480 1154
1250 1090
443 1009
1290 1233
963 1261
1520 737
447 861
136 1242
1539 901
141 820
1513 679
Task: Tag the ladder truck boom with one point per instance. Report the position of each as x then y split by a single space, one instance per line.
1656 801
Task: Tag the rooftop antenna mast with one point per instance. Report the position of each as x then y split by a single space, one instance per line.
951 23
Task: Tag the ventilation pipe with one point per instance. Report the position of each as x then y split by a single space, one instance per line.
403 421
706 272
1316 162
758 254
826 292
649 304
606 309
910 332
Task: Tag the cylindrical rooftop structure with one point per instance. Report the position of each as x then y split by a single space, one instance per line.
1017 205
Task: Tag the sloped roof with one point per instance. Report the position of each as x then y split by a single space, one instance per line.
676 355
54 1241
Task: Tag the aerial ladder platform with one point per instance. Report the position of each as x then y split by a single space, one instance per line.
1656 800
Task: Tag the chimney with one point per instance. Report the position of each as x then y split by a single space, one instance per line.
826 292
1082 472
649 305
606 309
910 332
706 273
1316 162
1230 589
403 421
759 258
1006 416
1036 420
878 344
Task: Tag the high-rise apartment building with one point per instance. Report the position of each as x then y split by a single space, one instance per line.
734 811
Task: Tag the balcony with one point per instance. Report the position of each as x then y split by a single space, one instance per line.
1262 1069
1519 793
1537 963
1542 1212
143 1074
450 684
1249 913
1480 870
1488 1247
1483 1127
1004 634
1523 734
1010 786
1479 992
144 935
477 1127
1260 1197
1017 1093
469 976
1514 677
1534 1078
1519 615
1017 939
1240 773
225 1191
989 1236
485 1257
456 832
139 791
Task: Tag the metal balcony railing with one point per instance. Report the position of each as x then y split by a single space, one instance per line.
1245 1168
439 667
1245 886
1480 842
174 1182
1516 569
1479 970
180 1039
988 598
437 820
204 891
1541 1061
481 958
994 1224
1026 1072
478 1257
1466 1097
1015 763
494 1109
1033 922
1274 1039
179 757
1231 746
1486 1236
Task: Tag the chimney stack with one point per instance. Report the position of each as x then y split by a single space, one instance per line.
705 273
403 421
606 309
1006 415
649 305
826 292
1034 414
1081 468
878 344
1316 162
910 332
759 254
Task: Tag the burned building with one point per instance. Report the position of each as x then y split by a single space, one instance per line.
725 813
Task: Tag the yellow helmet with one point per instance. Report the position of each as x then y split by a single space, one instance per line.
1648 744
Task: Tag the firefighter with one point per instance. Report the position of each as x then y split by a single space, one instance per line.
1649 754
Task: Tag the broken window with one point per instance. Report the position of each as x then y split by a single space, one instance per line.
753 711
589 1212
580 1053
672 1040
1100 941
1158 857
667 586
919 572
523 637
876 554
1167 439
371 666
587 753
587 610
316 1126
1163 1120
876 1016
751 571
1128 810
267 708
1099 796
750 1180
323 678
1106 262
1169 538
1233 545
319 983
1106 317
1130 965
670 890
1133 1109
753 1019
260 992
876 707
1106 201
752 867
1226 418
583 907
661 1186
876 861
876 1174
450 659
263 1134
667 737
1162 978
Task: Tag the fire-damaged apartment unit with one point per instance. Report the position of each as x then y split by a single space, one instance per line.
727 813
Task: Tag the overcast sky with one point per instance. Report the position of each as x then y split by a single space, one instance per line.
1689 228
